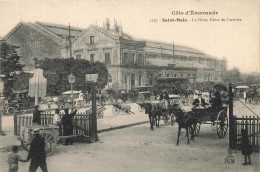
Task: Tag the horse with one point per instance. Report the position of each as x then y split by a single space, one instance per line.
185 120
149 109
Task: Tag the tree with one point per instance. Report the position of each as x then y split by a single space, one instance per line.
232 76
56 72
10 65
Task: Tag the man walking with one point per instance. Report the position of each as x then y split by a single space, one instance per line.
37 152
68 125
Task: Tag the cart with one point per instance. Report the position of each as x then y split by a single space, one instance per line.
50 133
217 118
122 108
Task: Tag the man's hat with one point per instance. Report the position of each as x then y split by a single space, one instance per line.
36 131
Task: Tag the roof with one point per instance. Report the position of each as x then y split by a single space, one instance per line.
61 30
177 63
113 34
54 32
179 50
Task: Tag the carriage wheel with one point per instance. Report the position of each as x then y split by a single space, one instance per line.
10 110
140 98
140 108
165 118
100 114
25 145
196 128
222 124
213 126
125 111
250 100
256 100
50 142
173 118
115 110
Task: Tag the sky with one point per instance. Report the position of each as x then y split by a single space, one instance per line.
238 40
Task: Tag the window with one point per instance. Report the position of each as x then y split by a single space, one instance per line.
132 58
167 75
194 75
78 56
92 40
125 62
188 74
140 60
182 75
140 80
175 75
160 75
107 59
92 57
109 78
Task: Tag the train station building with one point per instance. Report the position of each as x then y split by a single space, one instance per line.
130 61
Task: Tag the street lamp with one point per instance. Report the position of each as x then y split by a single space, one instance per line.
92 79
71 79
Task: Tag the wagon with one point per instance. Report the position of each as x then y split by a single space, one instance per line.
122 108
217 118
50 133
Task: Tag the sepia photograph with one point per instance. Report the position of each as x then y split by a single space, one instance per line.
129 86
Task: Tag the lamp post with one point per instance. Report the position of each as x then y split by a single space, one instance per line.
92 79
71 79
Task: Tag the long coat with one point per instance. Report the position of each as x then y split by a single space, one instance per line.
67 123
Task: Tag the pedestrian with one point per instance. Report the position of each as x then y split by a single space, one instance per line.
246 147
245 96
37 152
57 122
13 159
68 125
36 116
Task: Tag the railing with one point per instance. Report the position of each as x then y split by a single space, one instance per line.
81 122
252 125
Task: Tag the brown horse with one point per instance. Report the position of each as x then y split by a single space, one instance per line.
149 109
185 120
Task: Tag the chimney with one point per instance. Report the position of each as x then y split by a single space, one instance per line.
107 24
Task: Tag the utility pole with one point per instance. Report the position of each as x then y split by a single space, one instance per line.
70 42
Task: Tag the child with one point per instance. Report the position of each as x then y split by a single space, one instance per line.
246 148
13 159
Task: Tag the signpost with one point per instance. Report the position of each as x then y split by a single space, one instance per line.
92 79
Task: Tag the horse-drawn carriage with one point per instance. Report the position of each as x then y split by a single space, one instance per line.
216 117
254 94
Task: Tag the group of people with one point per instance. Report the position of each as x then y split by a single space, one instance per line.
215 101
37 153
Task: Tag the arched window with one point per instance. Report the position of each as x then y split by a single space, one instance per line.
140 80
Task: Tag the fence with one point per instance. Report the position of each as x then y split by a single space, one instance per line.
252 125
82 123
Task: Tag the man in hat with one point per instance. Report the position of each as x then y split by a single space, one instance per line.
36 116
37 152
199 101
68 125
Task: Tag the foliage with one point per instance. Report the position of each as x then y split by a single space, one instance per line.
21 81
57 70
232 76
10 65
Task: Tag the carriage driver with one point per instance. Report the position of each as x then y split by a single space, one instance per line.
199 102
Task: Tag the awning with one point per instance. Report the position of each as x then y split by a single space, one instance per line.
242 86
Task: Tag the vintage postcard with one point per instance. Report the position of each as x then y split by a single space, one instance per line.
109 85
